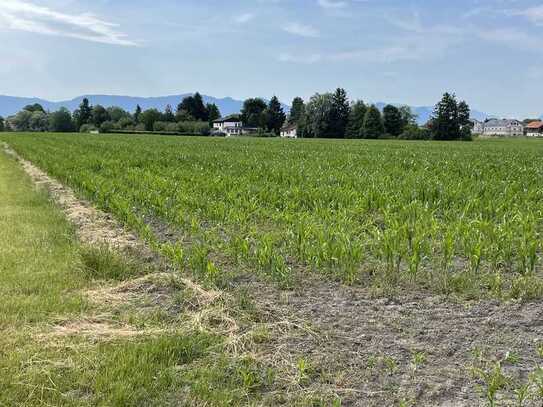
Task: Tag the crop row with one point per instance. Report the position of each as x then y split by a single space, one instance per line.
452 217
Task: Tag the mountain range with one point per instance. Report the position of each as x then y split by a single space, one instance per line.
10 105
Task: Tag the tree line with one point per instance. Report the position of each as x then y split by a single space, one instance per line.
190 116
328 115
332 115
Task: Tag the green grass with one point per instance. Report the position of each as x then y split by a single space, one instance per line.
44 273
448 217
38 256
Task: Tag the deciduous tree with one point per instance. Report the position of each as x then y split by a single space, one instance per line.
61 121
194 107
149 117
252 113
408 117
36 107
168 114
319 114
392 120
355 124
83 114
297 110
373 123
99 115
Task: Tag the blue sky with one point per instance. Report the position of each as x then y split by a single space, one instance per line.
487 51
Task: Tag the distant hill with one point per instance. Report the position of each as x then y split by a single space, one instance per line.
11 104
425 112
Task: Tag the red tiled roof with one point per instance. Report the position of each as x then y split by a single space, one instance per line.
535 125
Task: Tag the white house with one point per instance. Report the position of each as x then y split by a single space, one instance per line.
504 127
290 131
229 125
478 127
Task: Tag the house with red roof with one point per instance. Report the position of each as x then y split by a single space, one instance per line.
535 129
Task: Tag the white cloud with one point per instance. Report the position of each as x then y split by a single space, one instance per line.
301 30
244 18
404 49
511 37
24 16
332 4
534 14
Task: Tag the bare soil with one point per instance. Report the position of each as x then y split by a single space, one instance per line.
353 341
327 338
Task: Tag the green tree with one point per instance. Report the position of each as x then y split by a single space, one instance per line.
392 120
149 117
464 114
213 111
446 121
137 113
36 107
373 123
355 124
275 116
340 114
194 107
21 121
414 132
297 110
319 115
83 115
116 113
61 121
201 112
408 117
39 121
2 126
99 115
168 114
252 113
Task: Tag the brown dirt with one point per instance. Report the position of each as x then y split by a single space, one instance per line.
348 338
358 348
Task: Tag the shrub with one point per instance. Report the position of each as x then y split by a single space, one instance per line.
194 127
87 128
159 126
125 122
465 134
107 126
414 132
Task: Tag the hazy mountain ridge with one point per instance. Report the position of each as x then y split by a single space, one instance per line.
10 105
425 112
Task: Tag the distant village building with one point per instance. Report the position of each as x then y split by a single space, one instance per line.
229 125
503 127
535 129
232 126
478 127
290 131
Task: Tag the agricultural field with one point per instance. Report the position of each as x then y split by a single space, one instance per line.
363 272
452 218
